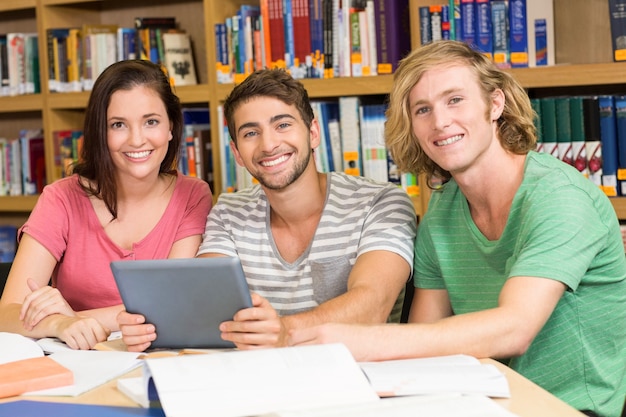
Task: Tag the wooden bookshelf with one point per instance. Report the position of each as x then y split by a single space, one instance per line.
582 44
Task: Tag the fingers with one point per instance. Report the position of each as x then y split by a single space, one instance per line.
137 335
82 332
41 303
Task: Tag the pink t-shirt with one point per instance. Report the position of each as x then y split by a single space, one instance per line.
65 222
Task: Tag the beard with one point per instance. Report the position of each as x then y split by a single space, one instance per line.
279 182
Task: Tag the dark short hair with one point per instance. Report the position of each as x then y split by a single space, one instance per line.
95 163
275 83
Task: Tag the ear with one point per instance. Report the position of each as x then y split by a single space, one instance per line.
314 134
171 136
236 154
497 104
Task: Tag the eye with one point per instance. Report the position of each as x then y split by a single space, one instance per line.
249 134
284 125
456 100
422 110
117 125
152 122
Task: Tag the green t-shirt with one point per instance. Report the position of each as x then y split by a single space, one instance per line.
560 226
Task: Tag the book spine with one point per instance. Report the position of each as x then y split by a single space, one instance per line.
350 135
564 130
484 30
608 138
468 22
593 144
548 123
620 119
499 24
435 22
540 25
617 19
518 34
579 151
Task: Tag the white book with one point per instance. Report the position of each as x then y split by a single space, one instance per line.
179 58
540 29
253 382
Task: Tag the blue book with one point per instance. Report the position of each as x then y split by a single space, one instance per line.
484 31
8 243
425 31
25 408
620 117
608 139
518 34
245 13
290 47
468 22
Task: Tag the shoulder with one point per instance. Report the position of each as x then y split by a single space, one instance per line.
349 186
548 176
65 188
248 198
185 182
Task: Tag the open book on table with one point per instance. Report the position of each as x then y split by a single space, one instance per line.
244 383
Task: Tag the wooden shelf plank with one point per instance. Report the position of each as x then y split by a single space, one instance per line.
18 204
571 75
26 102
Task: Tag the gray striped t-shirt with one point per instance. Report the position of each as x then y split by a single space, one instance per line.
360 216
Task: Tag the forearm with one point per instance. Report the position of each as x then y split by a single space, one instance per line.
357 306
483 334
107 316
10 322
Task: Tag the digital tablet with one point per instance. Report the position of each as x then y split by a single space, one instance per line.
185 299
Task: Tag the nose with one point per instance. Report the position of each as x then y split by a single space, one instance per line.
135 137
269 141
440 118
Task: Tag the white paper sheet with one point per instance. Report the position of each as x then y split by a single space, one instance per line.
438 375
15 347
91 369
244 383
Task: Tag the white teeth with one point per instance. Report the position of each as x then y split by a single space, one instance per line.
137 155
275 161
449 140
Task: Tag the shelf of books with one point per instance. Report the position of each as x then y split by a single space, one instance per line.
222 54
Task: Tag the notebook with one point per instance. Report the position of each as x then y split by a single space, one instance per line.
186 299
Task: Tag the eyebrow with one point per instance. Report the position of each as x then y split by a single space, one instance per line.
273 119
442 94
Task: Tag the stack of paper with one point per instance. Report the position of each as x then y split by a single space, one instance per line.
460 374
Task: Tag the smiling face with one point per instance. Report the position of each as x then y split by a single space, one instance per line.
450 119
138 132
273 142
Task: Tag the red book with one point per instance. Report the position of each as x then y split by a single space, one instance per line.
277 32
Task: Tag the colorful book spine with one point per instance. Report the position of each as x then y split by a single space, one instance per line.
548 122
426 35
518 34
393 37
540 26
620 119
484 30
608 137
500 27
564 130
468 22
579 151
593 144
617 18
